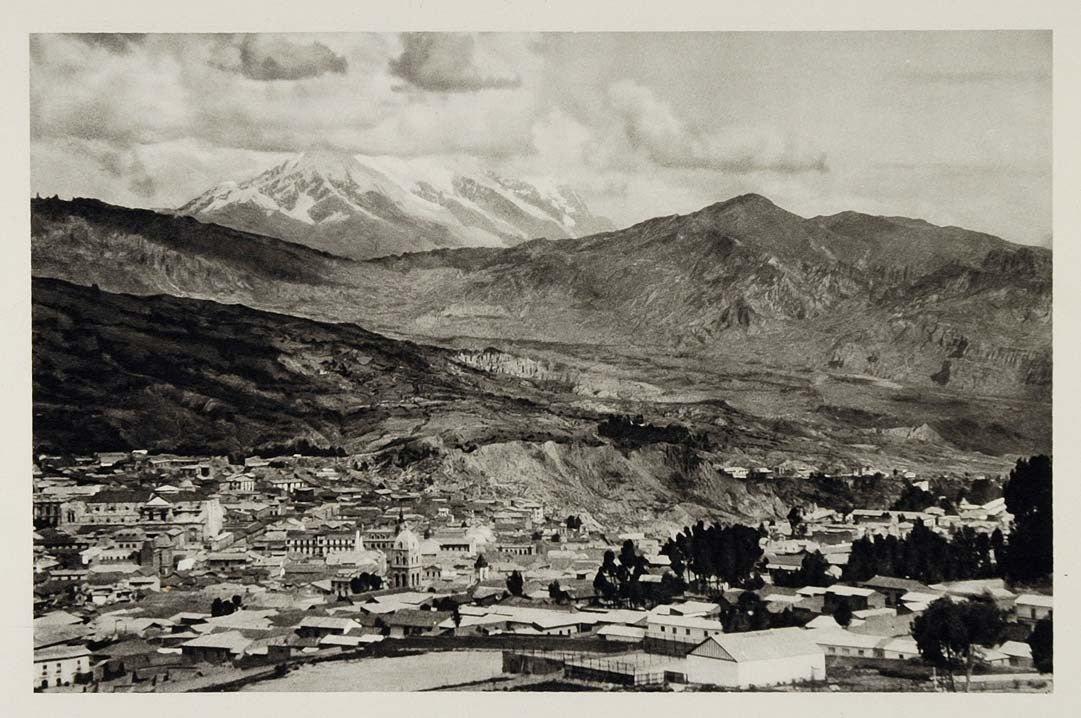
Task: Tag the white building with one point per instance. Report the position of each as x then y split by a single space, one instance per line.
58 665
1031 607
756 658
682 629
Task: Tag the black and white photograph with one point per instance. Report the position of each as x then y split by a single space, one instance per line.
651 361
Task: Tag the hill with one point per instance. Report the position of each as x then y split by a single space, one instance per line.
113 371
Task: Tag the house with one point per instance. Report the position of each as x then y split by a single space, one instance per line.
413 622
681 629
839 642
227 559
319 626
858 598
1019 654
992 588
60 665
240 484
1031 607
899 648
894 588
215 647
756 658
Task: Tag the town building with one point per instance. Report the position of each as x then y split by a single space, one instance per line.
404 561
756 658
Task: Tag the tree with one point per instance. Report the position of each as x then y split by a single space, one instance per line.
556 593
748 614
236 600
628 556
1028 497
603 586
913 498
515 583
812 570
947 633
795 518
1041 643
843 613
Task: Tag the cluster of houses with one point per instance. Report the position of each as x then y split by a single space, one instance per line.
831 533
150 569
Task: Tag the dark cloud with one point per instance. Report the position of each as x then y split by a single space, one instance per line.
279 59
444 62
118 42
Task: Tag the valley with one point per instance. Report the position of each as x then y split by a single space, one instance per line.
497 365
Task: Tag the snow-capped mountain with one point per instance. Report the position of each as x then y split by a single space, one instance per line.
364 207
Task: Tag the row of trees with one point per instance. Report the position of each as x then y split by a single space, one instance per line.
929 557
709 555
365 582
220 607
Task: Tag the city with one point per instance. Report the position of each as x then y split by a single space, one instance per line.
170 573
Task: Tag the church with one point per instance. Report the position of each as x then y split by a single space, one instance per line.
405 567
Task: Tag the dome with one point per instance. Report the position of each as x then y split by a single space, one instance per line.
406 541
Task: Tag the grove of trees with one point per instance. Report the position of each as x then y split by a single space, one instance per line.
926 556
929 557
709 555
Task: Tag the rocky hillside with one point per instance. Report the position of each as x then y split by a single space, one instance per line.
358 206
745 279
741 282
113 371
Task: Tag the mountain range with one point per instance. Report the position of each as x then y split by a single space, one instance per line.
741 280
362 206
843 340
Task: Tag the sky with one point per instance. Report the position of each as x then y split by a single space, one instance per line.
952 127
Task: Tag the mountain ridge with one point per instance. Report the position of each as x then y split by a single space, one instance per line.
361 206
742 279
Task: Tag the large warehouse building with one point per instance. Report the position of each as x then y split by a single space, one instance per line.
756 658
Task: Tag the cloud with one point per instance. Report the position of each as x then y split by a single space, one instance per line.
275 58
652 127
446 62
118 42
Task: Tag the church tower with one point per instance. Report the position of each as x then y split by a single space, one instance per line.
405 568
